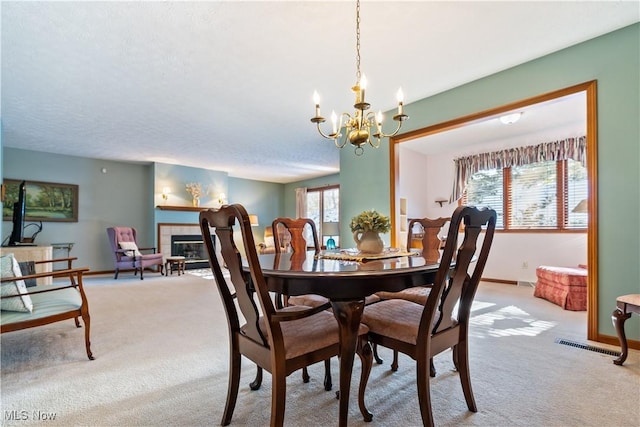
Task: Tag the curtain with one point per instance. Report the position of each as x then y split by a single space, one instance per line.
301 212
571 148
301 202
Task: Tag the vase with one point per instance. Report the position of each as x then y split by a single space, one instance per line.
368 242
196 202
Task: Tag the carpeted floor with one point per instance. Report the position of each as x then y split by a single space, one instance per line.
161 359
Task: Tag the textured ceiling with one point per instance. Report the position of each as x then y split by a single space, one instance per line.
228 85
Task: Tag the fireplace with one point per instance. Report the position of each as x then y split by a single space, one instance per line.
192 247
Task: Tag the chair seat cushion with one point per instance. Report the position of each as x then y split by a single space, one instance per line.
309 300
417 294
312 300
395 318
308 334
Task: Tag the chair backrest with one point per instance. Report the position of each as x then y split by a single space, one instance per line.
296 228
459 285
245 284
430 239
120 234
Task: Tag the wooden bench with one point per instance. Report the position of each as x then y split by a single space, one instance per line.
62 300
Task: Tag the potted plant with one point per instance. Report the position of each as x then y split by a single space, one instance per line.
366 228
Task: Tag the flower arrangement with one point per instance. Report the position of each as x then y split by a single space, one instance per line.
195 189
370 221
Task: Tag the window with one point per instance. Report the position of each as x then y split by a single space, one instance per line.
323 205
536 196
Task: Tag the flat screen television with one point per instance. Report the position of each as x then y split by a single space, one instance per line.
19 209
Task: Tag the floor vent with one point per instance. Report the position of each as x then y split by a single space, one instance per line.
587 347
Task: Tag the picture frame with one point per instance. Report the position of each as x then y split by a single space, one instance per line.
45 201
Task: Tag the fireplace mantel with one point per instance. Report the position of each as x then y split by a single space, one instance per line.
183 208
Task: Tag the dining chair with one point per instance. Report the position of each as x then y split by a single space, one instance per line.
430 242
279 341
423 331
296 229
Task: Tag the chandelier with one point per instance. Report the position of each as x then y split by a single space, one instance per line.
358 129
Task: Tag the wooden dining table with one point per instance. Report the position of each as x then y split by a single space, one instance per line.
345 283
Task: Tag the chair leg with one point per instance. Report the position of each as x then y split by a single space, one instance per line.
234 384
87 334
424 393
116 276
394 364
327 375
366 358
379 361
456 362
141 271
465 378
432 368
305 375
257 382
278 396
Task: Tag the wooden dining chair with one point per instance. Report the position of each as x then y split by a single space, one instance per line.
423 331
429 230
278 341
298 245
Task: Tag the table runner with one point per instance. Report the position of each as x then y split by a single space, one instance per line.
355 255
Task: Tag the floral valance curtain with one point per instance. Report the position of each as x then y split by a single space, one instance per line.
570 148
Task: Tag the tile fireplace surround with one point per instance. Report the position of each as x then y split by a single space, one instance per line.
166 230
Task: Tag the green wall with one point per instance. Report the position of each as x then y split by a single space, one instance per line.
614 61
127 194
122 195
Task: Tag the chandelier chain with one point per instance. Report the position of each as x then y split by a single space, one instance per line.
363 126
358 41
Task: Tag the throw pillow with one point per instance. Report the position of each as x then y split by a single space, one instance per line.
132 248
28 268
268 241
9 268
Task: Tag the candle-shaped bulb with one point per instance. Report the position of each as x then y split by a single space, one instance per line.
379 118
400 97
363 86
334 122
316 100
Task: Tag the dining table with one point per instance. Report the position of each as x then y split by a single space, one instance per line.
346 278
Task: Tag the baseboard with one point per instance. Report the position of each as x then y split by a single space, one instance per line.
506 282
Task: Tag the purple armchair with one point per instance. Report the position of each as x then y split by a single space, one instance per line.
126 253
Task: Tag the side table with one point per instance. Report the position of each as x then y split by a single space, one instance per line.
625 305
176 263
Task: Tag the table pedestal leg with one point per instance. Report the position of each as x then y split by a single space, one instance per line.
348 314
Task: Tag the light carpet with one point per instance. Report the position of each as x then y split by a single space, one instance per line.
162 355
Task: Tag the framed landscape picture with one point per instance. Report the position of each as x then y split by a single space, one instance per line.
45 201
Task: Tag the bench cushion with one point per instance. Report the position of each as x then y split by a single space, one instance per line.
46 304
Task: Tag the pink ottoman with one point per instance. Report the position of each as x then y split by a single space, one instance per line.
564 286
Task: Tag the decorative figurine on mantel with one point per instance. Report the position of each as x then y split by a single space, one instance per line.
195 189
